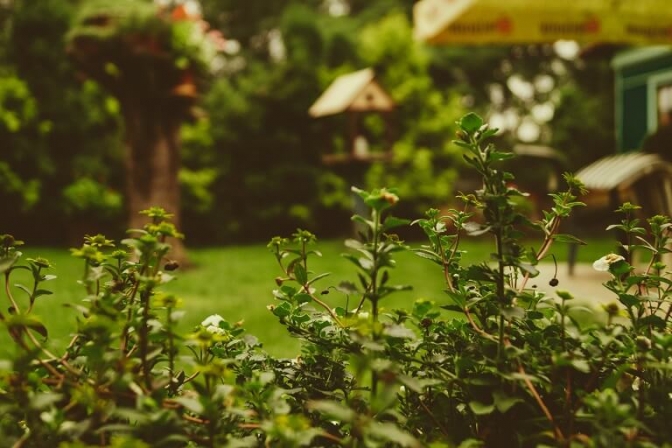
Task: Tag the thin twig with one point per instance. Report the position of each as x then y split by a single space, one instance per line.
545 246
540 402
433 417
65 364
326 307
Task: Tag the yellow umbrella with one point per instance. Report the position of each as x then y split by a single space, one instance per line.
538 21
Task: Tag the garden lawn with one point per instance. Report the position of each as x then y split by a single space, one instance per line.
236 282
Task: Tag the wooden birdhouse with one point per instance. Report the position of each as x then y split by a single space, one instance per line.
357 96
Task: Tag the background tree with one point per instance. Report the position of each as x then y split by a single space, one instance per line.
150 59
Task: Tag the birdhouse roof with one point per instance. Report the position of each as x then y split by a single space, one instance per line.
621 170
354 91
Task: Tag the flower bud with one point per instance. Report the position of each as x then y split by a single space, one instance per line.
612 309
171 265
643 343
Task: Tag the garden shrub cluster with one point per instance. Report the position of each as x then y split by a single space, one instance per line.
497 363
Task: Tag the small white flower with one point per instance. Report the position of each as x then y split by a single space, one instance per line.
212 321
363 315
215 330
603 263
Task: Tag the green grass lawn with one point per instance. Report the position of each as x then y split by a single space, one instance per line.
237 282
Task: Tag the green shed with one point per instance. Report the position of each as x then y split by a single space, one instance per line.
643 82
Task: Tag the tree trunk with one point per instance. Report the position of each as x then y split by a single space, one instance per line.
152 166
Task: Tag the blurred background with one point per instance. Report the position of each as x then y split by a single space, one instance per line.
238 80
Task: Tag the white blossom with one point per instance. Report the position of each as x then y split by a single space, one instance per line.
215 330
212 321
605 262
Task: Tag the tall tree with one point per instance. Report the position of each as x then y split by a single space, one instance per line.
151 59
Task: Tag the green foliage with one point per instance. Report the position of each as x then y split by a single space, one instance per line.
86 196
24 137
516 369
73 130
106 35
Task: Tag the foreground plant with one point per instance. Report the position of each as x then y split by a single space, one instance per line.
497 363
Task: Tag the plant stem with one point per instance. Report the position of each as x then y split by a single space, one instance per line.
8 292
171 347
500 291
144 338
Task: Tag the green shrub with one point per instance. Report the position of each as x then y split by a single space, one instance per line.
514 369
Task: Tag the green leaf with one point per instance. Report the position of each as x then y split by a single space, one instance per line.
42 292
385 278
7 262
428 254
499 155
458 298
392 433
391 222
479 408
581 365
23 288
333 409
620 268
415 384
455 308
654 321
566 238
300 318
34 324
513 312
303 298
528 268
191 404
480 273
395 288
565 295
364 221
461 144
282 310
469 443
471 122
354 244
44 399
318 277
422 307
504 402
628 300
347 288
300 274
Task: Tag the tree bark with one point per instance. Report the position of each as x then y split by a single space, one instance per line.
152 162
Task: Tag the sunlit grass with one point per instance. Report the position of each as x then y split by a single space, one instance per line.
237 282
